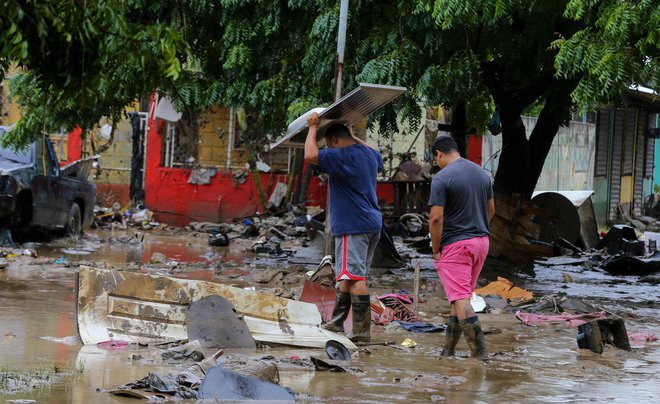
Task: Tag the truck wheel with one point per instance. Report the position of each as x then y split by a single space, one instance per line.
74 225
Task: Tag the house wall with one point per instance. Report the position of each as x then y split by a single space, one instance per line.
112 177
570 162
175 201
625 162
9 111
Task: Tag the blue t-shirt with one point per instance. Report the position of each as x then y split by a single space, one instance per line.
464 189
353 203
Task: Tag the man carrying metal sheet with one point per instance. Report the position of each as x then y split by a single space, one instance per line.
355 218
462 206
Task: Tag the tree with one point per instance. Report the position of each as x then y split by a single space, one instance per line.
82 61
276 59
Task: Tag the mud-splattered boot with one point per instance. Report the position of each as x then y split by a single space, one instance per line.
475 337
452 335
361 318
339 313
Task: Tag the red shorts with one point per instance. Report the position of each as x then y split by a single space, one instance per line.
459 266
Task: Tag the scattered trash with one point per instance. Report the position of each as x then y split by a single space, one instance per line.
408 343
331 365
213 321
594 334
337 351
157 258
478 303
225 384
277 196
142 216
218 240
112 345
30 253
614 239
394 307
421 326
640 339
624 264
559 303
60 261
191 350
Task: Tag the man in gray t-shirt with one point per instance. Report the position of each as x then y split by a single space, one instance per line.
462 206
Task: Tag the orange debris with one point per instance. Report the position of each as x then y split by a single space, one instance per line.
505 289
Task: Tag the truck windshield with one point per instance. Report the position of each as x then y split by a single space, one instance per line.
23 156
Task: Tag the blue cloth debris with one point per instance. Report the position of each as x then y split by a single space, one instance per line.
420 326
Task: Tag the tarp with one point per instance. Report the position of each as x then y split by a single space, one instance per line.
505 289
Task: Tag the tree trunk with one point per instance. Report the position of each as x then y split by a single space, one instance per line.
522 159
514 157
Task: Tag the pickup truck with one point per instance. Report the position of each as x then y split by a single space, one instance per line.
36 193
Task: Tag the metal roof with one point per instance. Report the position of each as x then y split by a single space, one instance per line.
349 109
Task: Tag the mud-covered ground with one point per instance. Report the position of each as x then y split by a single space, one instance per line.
529 364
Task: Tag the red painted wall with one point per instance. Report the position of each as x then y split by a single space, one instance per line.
74 144
474 148
174 201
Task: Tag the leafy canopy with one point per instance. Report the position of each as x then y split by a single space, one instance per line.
276 58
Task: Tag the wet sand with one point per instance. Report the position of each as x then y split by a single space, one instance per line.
529 364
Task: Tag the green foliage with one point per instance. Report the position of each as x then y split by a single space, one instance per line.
617 46
276 59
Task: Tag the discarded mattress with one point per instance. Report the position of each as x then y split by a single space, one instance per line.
135 307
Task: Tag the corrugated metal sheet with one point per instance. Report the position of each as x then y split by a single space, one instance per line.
649 122
629 141
640 157
137 307
351 108
602 143
617 155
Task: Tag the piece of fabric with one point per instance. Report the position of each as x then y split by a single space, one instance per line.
353 202
463 188
459 266
393 308
353 255
565 319
420 326
201 175
503 288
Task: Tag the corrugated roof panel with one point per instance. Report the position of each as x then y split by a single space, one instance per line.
351 108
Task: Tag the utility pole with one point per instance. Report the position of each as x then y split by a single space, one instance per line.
339 71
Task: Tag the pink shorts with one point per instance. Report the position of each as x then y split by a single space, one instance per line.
459 266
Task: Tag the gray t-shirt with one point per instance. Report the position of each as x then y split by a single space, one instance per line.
463 188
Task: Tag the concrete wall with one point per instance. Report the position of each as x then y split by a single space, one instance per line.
10 113
570 162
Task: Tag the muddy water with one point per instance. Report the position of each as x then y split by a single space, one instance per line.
529 364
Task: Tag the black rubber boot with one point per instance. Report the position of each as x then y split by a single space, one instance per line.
339 313
475 337
452 335
361 318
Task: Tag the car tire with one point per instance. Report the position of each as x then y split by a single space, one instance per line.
74 225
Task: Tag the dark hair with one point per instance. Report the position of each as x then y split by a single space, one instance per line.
337 130
445 144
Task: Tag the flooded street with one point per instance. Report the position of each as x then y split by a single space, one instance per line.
528 364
